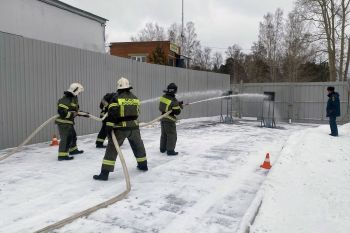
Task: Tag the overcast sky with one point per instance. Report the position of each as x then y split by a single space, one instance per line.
219 23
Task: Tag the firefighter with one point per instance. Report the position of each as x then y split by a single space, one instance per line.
104 109
68 108
168 124
123 112
333 110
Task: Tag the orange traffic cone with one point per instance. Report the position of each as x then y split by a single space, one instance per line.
266 163
54 141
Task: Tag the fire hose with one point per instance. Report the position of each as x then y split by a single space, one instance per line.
104 204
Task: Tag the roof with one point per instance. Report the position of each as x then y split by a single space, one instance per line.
75 10
141 42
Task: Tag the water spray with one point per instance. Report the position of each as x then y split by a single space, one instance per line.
260 96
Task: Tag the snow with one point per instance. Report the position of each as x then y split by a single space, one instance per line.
207 188
308 189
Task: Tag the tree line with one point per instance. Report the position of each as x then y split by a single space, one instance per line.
309 44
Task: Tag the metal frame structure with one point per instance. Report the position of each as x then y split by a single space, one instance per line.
268 102
228 101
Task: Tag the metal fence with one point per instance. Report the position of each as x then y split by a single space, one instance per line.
34 74
302 102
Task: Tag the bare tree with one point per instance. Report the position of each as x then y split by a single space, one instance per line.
202 59
191 44
151 32
235 63
234 51
330 18
270 36
217 61
297 45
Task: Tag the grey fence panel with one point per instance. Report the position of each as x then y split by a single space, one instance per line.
34 75
198 83
215 83
151 82
304 102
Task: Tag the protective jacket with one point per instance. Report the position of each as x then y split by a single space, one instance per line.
123 111
105 102
169 102
65 108
333 105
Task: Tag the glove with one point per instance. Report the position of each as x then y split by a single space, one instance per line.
73 113
181 103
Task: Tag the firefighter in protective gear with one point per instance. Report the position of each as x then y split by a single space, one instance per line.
67 108
123 112
168 136
104 109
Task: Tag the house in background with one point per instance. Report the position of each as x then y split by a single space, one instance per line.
155 52
53 21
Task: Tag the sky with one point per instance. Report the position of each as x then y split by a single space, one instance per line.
219 23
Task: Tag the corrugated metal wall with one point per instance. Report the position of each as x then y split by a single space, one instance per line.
34 74
304 102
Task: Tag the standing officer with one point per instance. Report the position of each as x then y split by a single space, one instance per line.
123 112
104 109
68 108
168 136
333 110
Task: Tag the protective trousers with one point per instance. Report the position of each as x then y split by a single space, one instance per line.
333 125
68 141
136 144
168 136
101 135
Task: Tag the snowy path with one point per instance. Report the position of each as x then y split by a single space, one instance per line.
308 189
205 189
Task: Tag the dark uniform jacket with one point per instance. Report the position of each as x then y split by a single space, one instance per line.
105 102
65 108
333 105
123 111
169 102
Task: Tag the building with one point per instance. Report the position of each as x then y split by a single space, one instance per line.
53 21
148 51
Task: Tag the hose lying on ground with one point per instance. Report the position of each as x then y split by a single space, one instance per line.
113 200
104 204
15 150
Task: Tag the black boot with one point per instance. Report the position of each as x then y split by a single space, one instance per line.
103 175
75 152
61 158
100 145
172 153
142 166
162 150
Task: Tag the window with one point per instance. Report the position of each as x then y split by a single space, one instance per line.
139 58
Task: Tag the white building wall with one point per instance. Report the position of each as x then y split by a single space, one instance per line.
41 21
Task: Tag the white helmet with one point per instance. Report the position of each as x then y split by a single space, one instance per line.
123 83
75 88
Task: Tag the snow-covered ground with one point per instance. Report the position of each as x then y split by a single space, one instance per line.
207 188
308 189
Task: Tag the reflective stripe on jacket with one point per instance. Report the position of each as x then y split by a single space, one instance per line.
65 108
169 102
123 111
